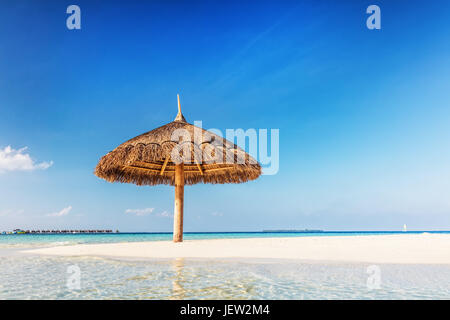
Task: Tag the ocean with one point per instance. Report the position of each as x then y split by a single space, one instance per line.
25 276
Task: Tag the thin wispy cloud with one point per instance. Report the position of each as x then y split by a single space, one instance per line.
217 214
231 67
61 213
140 212
149 211
17 160
165 214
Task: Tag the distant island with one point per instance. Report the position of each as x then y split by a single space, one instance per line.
292 231
20 231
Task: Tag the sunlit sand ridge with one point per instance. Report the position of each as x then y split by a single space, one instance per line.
412 248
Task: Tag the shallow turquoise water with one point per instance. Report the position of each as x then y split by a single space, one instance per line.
27 277
38 277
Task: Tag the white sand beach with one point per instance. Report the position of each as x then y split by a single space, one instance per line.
401 249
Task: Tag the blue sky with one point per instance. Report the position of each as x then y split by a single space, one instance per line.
364 115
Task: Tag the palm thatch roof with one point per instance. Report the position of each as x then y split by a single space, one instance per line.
150 158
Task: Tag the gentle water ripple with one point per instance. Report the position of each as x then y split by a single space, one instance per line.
35 277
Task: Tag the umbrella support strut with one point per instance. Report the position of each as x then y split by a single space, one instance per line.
179 203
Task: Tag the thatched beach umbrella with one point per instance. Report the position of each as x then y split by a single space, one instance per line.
176 154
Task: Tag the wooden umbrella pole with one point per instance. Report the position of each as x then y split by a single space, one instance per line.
179 202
